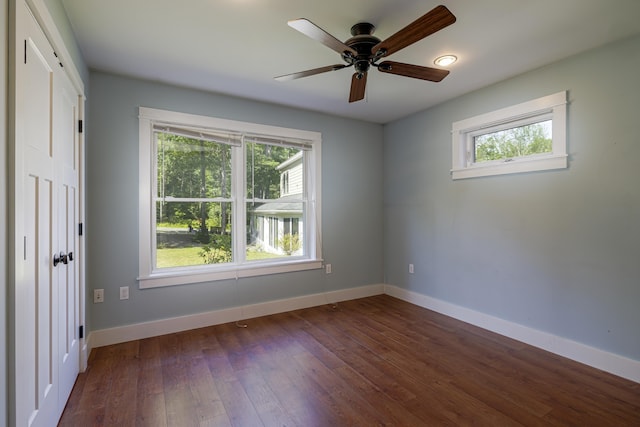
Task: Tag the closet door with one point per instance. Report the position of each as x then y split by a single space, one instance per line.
46 289
66 173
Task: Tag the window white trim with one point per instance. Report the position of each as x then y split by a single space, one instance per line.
552 107
212 127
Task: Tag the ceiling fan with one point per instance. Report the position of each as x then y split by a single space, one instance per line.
363 50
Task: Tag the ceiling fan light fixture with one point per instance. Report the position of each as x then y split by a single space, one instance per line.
445 60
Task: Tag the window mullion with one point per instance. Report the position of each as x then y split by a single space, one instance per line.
238 186
310 226
152 196
193 199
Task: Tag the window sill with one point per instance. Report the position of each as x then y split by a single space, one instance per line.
515 166
182 277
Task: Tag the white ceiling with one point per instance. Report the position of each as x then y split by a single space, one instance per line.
236 47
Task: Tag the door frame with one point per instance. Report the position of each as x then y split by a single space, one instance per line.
47 23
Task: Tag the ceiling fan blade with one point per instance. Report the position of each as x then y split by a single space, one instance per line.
358 86
312 72
433 21
311 30
415 71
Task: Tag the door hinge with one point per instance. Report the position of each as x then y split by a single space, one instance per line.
25 51
81 332
80 124
56 55
80 229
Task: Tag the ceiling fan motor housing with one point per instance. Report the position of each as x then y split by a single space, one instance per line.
362 42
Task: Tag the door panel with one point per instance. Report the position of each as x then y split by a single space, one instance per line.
36 344
65 142
36 288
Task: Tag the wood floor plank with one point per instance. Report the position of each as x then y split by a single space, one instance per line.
411 370
368 335
282 376
151 409
207 403
371 361
121 401
461 356
91 391
370 391
466 376
269 408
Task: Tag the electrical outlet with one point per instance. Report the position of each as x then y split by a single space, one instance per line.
98 296
327 268
124 292
410 268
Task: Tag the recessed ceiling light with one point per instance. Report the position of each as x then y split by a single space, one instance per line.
445 60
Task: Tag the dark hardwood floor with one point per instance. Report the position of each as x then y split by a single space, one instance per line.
370 362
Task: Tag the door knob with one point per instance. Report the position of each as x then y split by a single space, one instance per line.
62 258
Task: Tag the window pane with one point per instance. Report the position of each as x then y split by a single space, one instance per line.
192 168
275 229
189 234
267 167
519 141
275 173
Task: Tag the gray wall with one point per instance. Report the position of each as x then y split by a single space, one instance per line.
557 251
351 197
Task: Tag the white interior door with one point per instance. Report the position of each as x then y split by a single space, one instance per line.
46 288
65 140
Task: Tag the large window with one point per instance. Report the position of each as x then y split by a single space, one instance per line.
522 138
223 199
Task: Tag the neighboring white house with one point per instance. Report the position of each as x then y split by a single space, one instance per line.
275 219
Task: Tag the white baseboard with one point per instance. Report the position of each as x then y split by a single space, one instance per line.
137 331
609 362
84 354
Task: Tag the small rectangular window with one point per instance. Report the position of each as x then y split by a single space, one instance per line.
526 137
514 142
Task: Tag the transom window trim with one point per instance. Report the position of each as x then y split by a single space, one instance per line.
551 107
237 134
